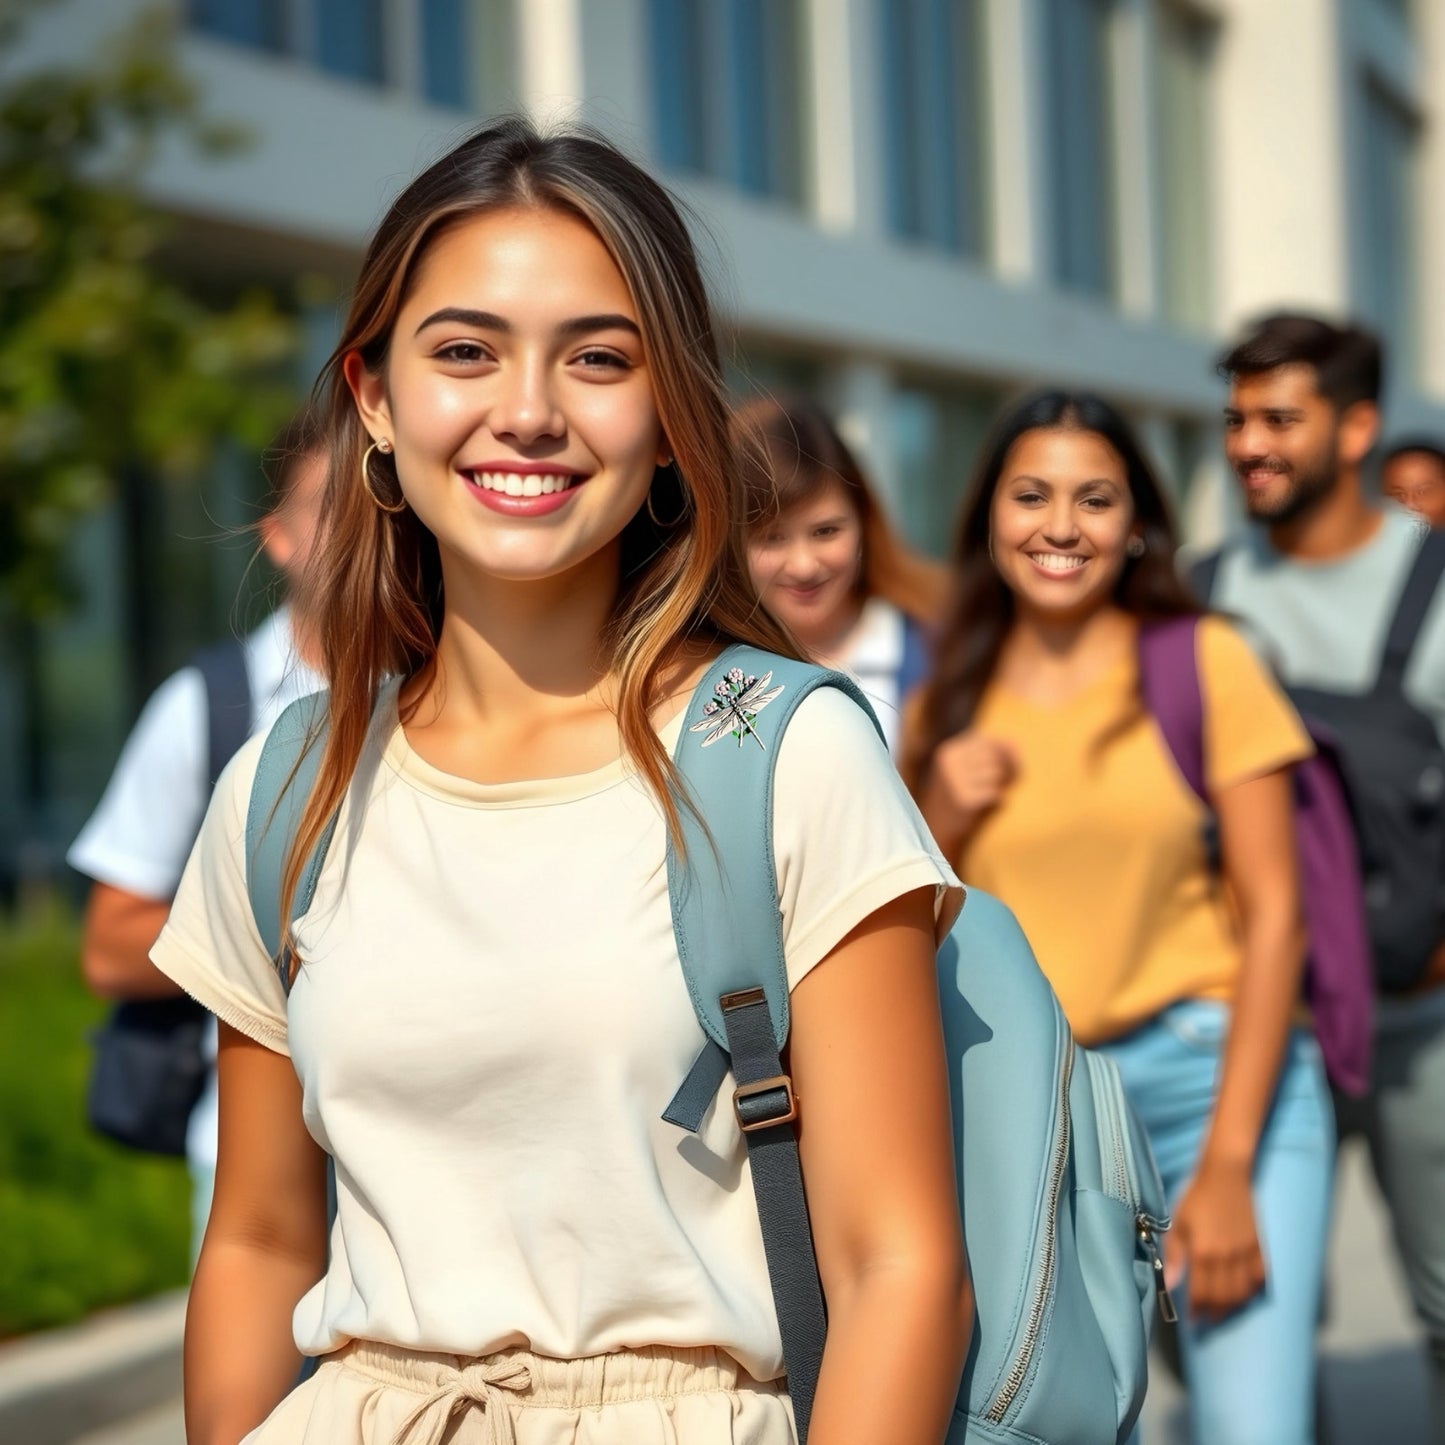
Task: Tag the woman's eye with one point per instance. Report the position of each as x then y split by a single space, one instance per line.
1097 504
463 353
1028 499
595 359
824 532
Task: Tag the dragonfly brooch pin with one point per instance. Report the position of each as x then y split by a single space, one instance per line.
735 702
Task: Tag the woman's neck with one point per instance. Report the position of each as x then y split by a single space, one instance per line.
832 640
1048 657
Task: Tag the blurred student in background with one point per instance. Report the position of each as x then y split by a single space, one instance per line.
1048 783
136 843
1346 599
1413 474
824 560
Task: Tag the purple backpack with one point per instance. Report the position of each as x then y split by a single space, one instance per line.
1339 975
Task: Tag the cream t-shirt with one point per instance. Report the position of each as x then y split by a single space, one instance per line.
491 1019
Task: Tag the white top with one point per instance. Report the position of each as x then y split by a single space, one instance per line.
873 656
141 832
491 1019
1323 624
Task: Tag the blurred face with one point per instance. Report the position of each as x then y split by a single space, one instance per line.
289 533
806 565
1060 521
518 398
1281 438
1417 480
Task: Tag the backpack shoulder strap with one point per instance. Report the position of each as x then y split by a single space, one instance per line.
724 892
222 666
1414 604
724 886
290 759
1204 574
1169 682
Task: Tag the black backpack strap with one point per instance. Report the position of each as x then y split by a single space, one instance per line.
1413 606
1203 575
222 666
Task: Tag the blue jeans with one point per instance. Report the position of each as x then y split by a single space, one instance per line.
1251 1375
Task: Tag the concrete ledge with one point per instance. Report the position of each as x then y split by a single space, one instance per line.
58 1385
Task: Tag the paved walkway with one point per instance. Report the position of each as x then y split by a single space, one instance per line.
1373 1373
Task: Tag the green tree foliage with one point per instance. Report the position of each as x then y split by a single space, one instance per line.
84 1222
105 361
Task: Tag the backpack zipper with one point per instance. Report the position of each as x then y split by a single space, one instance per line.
1038 1305
1113 1148
1146 1227
1149 1230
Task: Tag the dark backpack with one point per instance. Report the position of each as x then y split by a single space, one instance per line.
149 1065
1338 979
1394 774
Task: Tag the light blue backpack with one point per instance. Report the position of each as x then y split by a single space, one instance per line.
1062 1202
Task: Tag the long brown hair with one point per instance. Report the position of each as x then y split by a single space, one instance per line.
378 580
982 609
789 451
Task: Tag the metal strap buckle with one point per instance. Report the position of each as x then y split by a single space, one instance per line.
751 1120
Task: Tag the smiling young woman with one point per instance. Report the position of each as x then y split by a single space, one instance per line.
1049 784
824 559
530 555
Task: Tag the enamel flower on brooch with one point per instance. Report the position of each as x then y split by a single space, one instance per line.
735 702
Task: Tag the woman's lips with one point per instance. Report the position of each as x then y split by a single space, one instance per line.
530 491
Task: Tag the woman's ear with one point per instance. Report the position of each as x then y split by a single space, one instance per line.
368 388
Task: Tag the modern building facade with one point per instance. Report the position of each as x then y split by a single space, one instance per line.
911 207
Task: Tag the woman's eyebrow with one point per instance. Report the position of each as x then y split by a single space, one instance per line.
490 321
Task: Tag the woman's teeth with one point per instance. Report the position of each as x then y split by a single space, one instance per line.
1058 561
517 484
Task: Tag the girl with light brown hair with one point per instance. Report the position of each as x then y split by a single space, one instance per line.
529 558
824 559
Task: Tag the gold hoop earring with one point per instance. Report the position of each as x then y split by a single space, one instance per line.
384 447
651 511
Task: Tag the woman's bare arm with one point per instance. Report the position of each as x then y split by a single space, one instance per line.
868 1065
1214 1225
265 1247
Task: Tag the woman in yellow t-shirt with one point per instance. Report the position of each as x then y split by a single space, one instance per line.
1048 784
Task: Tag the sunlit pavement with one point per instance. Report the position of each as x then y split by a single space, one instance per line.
1373 1373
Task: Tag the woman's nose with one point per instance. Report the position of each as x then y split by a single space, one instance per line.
524 408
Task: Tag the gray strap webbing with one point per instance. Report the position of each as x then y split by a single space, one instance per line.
782 1204
1413 606
222 666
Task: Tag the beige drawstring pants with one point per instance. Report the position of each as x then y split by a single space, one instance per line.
370 1394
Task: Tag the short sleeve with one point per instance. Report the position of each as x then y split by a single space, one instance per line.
1251 727
210 946
847 838
142 830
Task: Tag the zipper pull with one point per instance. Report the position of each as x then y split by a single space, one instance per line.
1147 1231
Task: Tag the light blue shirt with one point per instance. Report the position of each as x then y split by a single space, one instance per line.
1323 624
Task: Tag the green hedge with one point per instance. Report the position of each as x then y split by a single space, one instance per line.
83 1223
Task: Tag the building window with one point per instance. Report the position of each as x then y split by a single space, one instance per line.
931 52
1387 217
729 91
348 38
1183 96
444 47
261 23
937 432
465 50
1078 99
